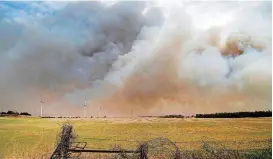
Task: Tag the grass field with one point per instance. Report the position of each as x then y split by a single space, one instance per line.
36 138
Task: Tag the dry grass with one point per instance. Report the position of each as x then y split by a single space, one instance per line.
36 138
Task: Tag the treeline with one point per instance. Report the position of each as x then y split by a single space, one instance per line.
148 116
60 117
172 116
236 114
64 117
71 117
14 113
164 116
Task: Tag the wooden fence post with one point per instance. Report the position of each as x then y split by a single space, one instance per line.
143 151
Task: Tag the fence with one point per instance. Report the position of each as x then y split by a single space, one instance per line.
158 148
62 150
65 147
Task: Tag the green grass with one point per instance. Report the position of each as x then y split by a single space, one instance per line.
36 138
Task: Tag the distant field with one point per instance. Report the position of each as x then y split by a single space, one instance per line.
36 138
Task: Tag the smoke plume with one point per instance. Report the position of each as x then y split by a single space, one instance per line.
138 58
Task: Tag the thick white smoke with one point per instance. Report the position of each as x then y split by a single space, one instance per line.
227 64
152 57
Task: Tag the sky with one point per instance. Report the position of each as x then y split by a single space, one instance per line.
145 57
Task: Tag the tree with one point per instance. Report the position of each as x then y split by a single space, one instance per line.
12 113
25 113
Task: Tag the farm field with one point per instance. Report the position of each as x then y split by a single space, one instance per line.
36 138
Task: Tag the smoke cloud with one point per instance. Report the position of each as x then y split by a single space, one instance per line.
138 58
